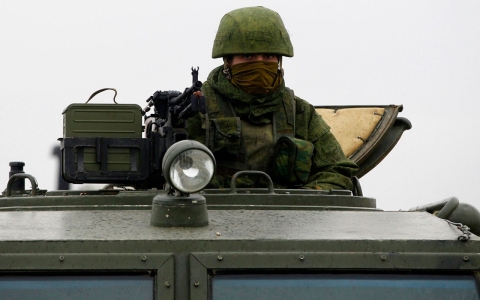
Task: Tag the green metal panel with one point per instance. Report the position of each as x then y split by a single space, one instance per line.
258 261
82 261
281 200
165 280
288 225
118 159
102 120
198 283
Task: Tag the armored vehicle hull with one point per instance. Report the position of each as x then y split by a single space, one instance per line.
258 244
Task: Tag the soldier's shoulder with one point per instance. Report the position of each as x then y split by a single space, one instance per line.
308 122
301 105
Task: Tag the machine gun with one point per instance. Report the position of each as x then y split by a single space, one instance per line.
172 108
167 125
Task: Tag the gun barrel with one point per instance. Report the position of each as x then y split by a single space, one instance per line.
195 87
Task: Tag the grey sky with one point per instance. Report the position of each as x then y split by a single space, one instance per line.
422 54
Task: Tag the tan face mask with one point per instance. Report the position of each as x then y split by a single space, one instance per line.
256 77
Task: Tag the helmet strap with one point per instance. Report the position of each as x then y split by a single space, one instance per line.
226 68
280 64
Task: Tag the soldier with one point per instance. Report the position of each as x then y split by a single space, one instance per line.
254 122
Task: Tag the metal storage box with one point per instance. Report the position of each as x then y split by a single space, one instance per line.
103 143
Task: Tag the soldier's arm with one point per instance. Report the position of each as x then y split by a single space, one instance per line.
330 168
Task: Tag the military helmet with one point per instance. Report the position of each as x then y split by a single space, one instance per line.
252 30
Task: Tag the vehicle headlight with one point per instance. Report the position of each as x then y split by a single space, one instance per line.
188 166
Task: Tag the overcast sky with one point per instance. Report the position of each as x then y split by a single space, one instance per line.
422 54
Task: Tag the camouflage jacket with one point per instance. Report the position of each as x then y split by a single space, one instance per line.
235 123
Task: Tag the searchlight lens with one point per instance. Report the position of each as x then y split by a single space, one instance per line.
191 171
189 166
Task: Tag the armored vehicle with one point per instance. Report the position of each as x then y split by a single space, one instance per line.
137 239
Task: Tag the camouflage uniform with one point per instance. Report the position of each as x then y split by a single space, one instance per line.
330 169
242 129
